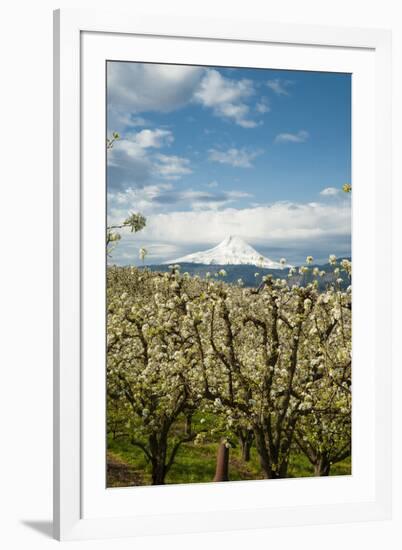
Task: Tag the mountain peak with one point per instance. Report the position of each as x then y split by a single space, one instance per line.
233 250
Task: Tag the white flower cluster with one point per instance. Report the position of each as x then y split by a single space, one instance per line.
274 361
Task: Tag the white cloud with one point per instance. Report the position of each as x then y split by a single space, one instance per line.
131 161
299 137
263 106
134 198
128 165
161 249
140 87
153 138
135 144
212 184
127 251
134 121
226 97
329 192
295 228
279 86
213 201
240 158
152 199
279 222
291 230
171 166
124 148
118 121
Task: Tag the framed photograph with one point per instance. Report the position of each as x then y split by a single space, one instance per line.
214 184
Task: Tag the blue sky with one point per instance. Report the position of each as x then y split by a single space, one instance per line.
208 151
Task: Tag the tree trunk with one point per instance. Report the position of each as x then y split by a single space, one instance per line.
158 447
222 463
322 467
283 470
188 426
246 442
245 451
262 453
158 474
271 465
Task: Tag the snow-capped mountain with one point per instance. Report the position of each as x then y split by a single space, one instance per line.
231 251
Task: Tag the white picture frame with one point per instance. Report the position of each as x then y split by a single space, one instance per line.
83 507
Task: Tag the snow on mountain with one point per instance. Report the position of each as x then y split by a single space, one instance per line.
234 251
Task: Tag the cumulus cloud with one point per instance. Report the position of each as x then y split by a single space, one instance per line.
226 97
135 88
299 137
135 198
329 192
133 162
263 106
162 87
278 222
152 199
287 229
153 138
135 144
171 167
127 252
279 86
119 121
213 201
128 165
156 250
239 158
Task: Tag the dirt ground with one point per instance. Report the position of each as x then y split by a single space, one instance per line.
120 474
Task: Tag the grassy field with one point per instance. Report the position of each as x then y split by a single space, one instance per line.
196 464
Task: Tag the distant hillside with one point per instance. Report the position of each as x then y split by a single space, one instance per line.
247 273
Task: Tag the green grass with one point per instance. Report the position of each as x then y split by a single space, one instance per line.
299 466
196 464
